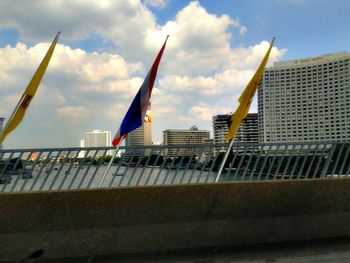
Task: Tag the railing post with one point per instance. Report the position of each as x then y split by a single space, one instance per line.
224 161
329 157
108 167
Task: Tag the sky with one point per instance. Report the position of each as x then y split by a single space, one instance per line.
106 48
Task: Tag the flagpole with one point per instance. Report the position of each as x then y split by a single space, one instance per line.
244 104
140 101
108 167
224 161
13 113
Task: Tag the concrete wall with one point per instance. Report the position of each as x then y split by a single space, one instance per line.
139 219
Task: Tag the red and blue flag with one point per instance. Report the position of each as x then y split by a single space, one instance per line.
139 106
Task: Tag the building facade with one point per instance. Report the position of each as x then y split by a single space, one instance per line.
1 129
97 138
184 136
220 127
141 136
247 131
306 100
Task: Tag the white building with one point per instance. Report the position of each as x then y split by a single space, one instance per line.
97 138
306 100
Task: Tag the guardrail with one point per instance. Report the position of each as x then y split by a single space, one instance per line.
79 168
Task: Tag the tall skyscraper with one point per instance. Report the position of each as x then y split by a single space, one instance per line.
184 136
306 100
1 128
97 138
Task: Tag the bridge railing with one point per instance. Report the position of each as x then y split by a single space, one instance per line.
80 168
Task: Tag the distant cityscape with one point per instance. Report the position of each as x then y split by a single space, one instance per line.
298 100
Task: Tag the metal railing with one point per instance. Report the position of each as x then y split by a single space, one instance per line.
81 168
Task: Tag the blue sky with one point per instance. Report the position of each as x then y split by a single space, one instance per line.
305 27
106 48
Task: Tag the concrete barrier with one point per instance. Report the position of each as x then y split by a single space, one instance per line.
158 218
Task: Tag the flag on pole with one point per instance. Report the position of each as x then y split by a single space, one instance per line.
139 106
23 104
246 98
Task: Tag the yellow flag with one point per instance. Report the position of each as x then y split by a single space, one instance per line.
18 113
247 96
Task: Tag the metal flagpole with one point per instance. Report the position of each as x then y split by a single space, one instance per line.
108 167
13 113
224 161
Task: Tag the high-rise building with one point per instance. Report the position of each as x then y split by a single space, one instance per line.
220 127
1 128
97 138
247 131
141 136
306 100
183 136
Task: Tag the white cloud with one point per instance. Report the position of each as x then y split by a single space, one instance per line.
225 82
199 40
248 58
76 85
202 112
125 23
115 110
201 74
228 81
73 112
